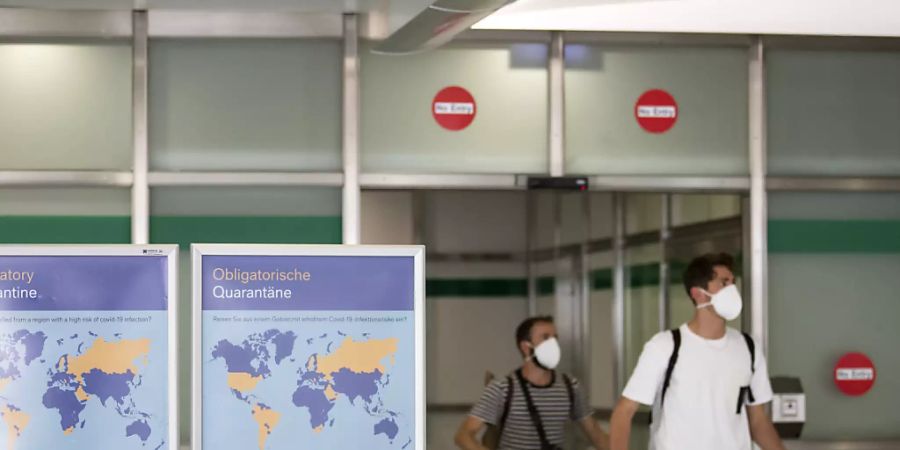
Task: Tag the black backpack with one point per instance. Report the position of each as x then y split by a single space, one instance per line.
745 392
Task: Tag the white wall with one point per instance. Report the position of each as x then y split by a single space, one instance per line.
466 336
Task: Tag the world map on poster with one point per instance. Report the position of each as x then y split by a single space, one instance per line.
329 384
81 383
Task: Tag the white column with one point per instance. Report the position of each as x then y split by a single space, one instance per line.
140 191
618 322
557 72
351 194
758 206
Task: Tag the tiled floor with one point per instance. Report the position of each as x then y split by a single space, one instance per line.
442 426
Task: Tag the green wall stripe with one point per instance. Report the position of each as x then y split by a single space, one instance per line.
482 287
546 285
486 287
65 229
601 279
834 236
785 236
640 275
184 230
643 275
170 229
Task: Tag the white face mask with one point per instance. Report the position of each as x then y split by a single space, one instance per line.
727 302
547 354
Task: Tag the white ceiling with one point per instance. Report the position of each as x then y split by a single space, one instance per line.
812 17
807 17
305 6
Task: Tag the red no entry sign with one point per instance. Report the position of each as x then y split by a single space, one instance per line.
854 374
656 111
453 108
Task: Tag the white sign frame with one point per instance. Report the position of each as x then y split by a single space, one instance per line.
198 251
170 251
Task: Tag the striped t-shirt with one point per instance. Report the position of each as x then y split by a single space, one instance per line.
551 401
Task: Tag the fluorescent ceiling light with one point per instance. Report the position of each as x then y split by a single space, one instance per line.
808 17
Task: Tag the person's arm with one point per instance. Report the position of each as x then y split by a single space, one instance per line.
487 410
761 429
641 388
620 423
467 436
592 430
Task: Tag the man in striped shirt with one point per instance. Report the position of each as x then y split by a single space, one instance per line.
532 406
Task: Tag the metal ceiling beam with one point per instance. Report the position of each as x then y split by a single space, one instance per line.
217 24
838 184
54 178
245 179
38 23
437 181
668 183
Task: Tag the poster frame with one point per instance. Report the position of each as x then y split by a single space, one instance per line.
198 251
170 252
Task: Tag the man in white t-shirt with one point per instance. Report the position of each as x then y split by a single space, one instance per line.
707 383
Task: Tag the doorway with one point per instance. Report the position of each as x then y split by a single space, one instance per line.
606 265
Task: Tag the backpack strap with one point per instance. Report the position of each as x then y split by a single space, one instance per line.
533 412
751 346
570 389
747 390
673 358
506 404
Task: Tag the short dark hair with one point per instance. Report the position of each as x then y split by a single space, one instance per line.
701 270
523 331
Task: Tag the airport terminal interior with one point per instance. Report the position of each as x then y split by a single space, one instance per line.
573 172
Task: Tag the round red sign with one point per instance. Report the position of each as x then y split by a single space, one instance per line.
854 374
453 108
656 111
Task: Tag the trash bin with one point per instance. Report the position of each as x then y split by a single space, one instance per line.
788 407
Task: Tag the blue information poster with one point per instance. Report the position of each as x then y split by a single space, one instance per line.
86 349
316 347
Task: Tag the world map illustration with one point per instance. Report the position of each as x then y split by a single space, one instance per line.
74 374
350 371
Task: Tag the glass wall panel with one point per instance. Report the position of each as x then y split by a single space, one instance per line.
833 112
260 104
603 84
833 265
509 130
65 105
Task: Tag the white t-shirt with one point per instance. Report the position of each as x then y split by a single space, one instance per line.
700 408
